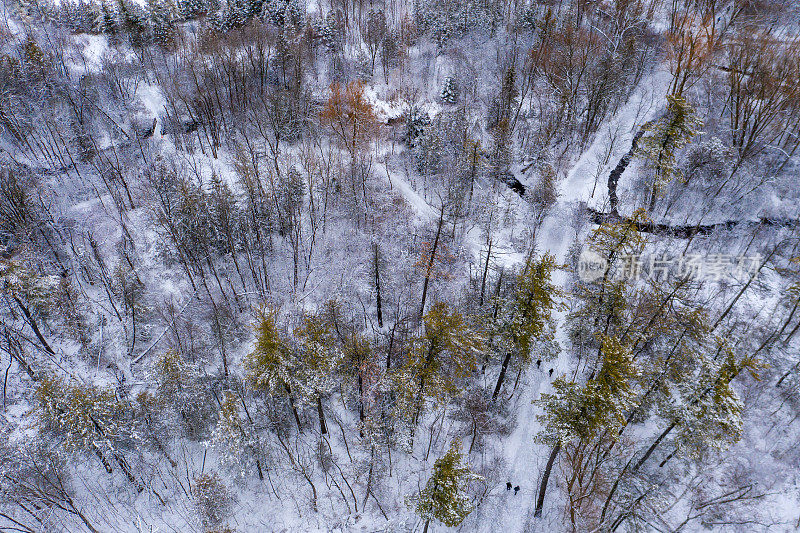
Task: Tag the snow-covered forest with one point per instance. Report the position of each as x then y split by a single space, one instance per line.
393 266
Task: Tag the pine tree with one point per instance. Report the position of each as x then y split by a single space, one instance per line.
582 411
306 370
234 439
35 62
582 417
527 313
704 406
237 13
449 93
603 302
268 364
445 496
88 418
389 52
702 413
180 386
213 501
665 138
501 122
439 360
225 217
416 125
318 363
162 14
192 9
134 21
333 32
429 150
33 294
108 22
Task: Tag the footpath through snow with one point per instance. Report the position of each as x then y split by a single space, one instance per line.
585 182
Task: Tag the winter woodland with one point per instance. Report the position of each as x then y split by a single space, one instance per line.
393 266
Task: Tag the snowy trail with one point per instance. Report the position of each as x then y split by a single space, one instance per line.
583 183
501 510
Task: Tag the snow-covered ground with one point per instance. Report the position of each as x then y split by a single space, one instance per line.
98 231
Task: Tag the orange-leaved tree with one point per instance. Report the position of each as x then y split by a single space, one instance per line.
350 115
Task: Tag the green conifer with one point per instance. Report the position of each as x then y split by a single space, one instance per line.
660 146
445 497
449 93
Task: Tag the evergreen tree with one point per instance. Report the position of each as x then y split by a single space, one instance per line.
33 294
318 363
705 408
445 20
134 21
582 411
225 217
269 363
36 62
416 125
305 370
237 13
500 122
438 362
191 9
445 496
389 52
702 415
333 32
89 419
180 386
527 313
162 21
233 438
109 22
583 417
665 138
429 150
213 501
449 92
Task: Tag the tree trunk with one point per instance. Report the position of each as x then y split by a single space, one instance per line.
502 376
391 347
34 325
102 458
421 398
485 272
378 286
323 428
361 406
126 469
294 408
85 521
430 263
653 446
543 485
